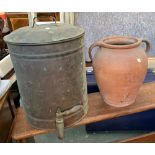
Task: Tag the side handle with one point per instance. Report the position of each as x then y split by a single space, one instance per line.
98 43
148 46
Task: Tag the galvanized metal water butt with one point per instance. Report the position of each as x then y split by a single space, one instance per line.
50 69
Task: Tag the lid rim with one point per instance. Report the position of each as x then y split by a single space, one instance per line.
45 43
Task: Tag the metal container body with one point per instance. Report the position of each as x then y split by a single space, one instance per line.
49 77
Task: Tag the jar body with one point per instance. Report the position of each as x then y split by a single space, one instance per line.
120 73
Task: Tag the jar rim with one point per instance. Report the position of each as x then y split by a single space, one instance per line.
121 42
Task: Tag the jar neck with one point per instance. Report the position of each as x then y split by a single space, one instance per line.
121 42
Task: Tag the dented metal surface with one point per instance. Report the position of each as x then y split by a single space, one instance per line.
51 75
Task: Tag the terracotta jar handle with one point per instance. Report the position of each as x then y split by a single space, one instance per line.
148 46
98 43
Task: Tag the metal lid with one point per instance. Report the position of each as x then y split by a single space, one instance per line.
44 34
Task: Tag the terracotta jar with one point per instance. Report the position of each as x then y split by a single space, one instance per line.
120 65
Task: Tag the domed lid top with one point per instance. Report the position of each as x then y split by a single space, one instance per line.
44 34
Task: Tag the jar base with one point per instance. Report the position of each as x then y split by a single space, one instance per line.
118 105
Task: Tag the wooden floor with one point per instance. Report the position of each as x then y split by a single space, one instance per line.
6 117
145 138
98 111
2 100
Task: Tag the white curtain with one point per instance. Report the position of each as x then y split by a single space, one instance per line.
67 17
